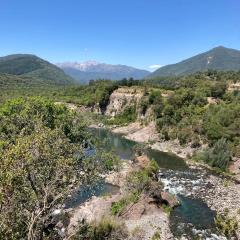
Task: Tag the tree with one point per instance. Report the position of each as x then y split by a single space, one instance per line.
43 157
218 156
218 89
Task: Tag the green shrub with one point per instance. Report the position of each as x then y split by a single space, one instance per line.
110 161
152 168
144 106
118 207
167 209
218 156
226 225
184 136
107 228
141 180
218 89
127 116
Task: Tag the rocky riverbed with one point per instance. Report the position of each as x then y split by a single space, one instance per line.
197 182
142 219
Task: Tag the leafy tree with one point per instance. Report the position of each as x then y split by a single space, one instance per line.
43 153
218 89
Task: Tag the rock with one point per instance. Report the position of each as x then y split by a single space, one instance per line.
57 211
142 161
170 199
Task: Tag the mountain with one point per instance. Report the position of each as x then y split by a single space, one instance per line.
219 58
91 70
33 68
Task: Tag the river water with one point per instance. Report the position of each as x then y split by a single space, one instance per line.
193 219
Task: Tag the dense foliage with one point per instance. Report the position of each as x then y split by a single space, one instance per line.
196 109
201 110
42 152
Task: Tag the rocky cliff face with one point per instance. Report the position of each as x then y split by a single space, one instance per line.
124 97
121 98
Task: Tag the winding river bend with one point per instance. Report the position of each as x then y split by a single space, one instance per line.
193 218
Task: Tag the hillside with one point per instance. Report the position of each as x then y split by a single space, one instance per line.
30 66
219 58
14 86
8 81
84 72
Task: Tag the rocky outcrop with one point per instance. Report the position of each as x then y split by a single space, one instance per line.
169 199
121 98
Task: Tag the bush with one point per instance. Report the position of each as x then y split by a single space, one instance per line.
110 161
139 149
184 136
144 106
195 141
127 116
218 156
158 110
226 225
107 228
165 134
43 151
218 89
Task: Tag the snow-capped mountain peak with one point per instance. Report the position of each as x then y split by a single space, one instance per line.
84 66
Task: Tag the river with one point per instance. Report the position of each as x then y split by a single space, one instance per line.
193 219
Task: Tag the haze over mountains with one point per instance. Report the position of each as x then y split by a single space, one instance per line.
219 58
90 70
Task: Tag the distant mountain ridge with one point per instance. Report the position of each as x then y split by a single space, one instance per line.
91 70
219 58
33 67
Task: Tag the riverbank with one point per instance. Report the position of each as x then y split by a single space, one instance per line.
149 135
218 192
143 218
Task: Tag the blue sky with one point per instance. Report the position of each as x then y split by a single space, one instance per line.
139 33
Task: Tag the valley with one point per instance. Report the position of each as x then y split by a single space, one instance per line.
155 158
197 186
120 120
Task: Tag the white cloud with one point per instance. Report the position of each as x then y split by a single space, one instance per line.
155 66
